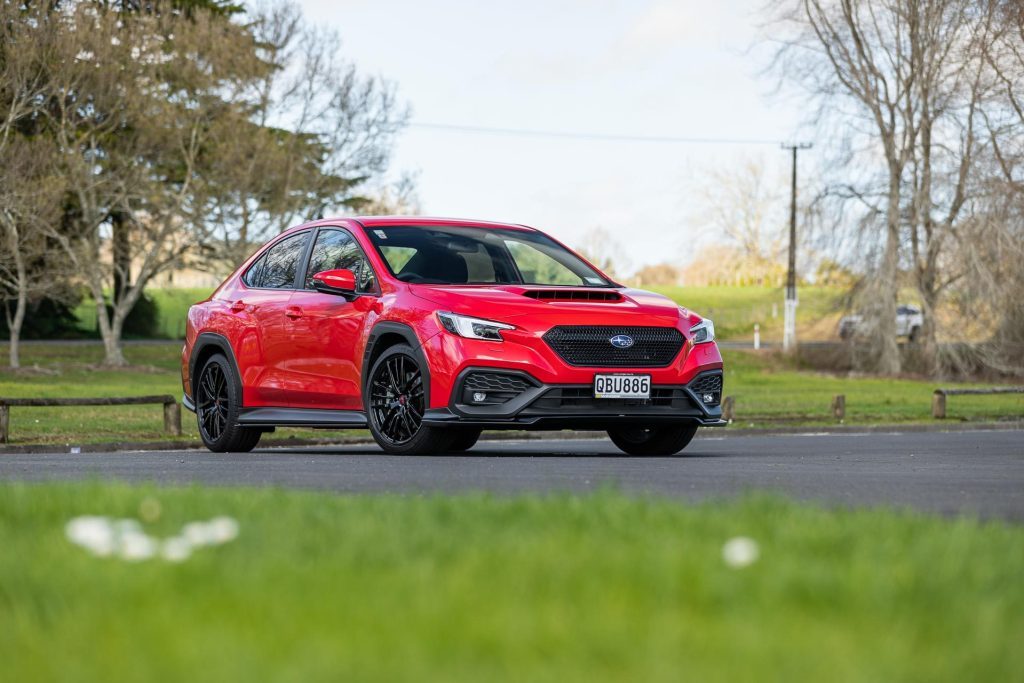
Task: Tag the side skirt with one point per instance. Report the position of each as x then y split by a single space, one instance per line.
303 417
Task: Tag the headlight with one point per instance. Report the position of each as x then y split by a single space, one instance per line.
703 332
473 328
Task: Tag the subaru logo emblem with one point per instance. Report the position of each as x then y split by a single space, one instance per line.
621 341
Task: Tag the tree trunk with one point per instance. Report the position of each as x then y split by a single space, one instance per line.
120 242
110 331
888 358
14 324
927 337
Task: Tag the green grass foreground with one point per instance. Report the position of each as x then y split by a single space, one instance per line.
477 588
769 391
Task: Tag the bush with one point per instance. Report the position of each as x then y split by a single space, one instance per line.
46 319
143 320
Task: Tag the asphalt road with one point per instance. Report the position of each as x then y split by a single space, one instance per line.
977 473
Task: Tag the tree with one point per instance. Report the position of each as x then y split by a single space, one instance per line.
659 274
600 248
130 108
315 132
30 198
749 209
30 193
906 81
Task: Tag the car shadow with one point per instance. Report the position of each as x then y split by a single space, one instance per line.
367 450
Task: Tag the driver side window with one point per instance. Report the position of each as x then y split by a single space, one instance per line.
336 249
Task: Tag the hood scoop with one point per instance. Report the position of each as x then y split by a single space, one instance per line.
572 295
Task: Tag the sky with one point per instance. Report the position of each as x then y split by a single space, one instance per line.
659 68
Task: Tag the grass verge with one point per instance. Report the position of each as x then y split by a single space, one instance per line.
601 587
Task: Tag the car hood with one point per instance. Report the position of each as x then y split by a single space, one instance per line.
553 305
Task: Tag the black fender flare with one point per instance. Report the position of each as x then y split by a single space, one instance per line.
203 342
407 333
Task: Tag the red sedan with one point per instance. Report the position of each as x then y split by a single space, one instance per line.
428 331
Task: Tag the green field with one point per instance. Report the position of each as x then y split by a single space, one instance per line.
736 310
768 390
602 587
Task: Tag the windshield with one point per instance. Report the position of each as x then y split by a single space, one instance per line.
469 256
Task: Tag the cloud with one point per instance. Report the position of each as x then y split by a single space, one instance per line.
665 25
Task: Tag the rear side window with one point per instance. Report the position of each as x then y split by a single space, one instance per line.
277 267
336 249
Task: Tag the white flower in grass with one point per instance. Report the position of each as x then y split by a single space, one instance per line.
198 534
93 533
740 552
136 546
125 538
176 549
222 529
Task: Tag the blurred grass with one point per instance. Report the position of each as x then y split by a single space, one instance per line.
477 588
769 391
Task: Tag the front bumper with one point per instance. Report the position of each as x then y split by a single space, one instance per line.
528 403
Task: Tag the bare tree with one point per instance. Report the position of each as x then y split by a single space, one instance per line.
600 248
907 80
748 208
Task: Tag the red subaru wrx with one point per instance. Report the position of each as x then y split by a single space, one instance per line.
428 331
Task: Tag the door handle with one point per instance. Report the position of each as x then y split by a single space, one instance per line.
238 306
293 312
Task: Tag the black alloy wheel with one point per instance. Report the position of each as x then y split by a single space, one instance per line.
396 401
218 403
396 398
212 402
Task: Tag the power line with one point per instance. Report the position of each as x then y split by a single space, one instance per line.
602 137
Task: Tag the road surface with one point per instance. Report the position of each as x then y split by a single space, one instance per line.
976 473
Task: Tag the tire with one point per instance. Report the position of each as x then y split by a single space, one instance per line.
653 441
218 398
914 332
464 439
395 402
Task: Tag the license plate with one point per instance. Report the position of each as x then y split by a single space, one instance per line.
622 386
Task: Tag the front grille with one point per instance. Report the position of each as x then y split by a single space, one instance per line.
498 387
664 401
584 396
590 345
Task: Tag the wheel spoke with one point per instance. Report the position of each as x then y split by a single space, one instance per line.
396 398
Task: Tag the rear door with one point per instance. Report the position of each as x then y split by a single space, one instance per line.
264 351
326 331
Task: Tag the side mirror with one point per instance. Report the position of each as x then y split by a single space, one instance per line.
341 282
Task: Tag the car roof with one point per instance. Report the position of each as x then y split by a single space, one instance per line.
410 221
429 221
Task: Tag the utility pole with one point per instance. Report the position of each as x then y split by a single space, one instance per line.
789 319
